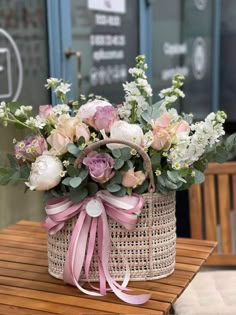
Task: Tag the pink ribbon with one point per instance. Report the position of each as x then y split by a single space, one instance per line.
92 221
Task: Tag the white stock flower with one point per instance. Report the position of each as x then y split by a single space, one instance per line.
45 173
63 88
189 148
52 83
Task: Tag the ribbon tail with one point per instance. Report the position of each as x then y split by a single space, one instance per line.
76 253
117 289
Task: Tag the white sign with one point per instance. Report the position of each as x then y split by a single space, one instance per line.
200 4
114 6
5 68
8 67
199 58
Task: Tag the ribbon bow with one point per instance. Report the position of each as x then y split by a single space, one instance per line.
92 221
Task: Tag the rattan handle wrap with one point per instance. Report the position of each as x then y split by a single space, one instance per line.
146 158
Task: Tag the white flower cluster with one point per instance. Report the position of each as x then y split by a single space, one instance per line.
61 109
36 122
62 88
189 148
137 92
23 110
52 83
2 109
170 95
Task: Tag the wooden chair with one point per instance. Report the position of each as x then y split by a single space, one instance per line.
212 207
213 211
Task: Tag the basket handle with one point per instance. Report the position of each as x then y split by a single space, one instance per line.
139 149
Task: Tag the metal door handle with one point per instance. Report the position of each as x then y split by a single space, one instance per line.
68 53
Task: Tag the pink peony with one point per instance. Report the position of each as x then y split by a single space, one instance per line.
30 148
104 118
45 111
133 179
100 166
98 114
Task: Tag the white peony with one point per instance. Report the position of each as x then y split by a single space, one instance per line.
45 173
121 130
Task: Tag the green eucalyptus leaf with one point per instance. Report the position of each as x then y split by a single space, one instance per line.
118 164
120 193
12 161
113 187
170 185
230 142
141 188
24 172
117 179
66 181
125 153
92 188
156 160
72 171
73 149
75 182
15 177
199 177
4 180
3 171
78 194
83 173
116 153
146 116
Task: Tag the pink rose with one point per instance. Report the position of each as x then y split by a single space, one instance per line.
100 166
181 126
162 140
59 141
73 128
98 114
45 111
67 124
133 179
162 122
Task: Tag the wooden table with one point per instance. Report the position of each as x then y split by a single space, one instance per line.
27 288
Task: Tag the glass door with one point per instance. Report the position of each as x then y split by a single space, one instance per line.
103 45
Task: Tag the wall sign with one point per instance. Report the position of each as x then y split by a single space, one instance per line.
199 58
200 4
6 69
113 6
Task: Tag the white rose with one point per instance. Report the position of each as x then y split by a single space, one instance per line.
45 173
121 130
88 110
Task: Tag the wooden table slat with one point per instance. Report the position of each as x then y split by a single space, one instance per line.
27 288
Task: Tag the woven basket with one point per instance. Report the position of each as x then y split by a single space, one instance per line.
149 250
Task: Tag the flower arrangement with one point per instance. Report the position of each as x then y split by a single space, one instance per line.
179 148
104 162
